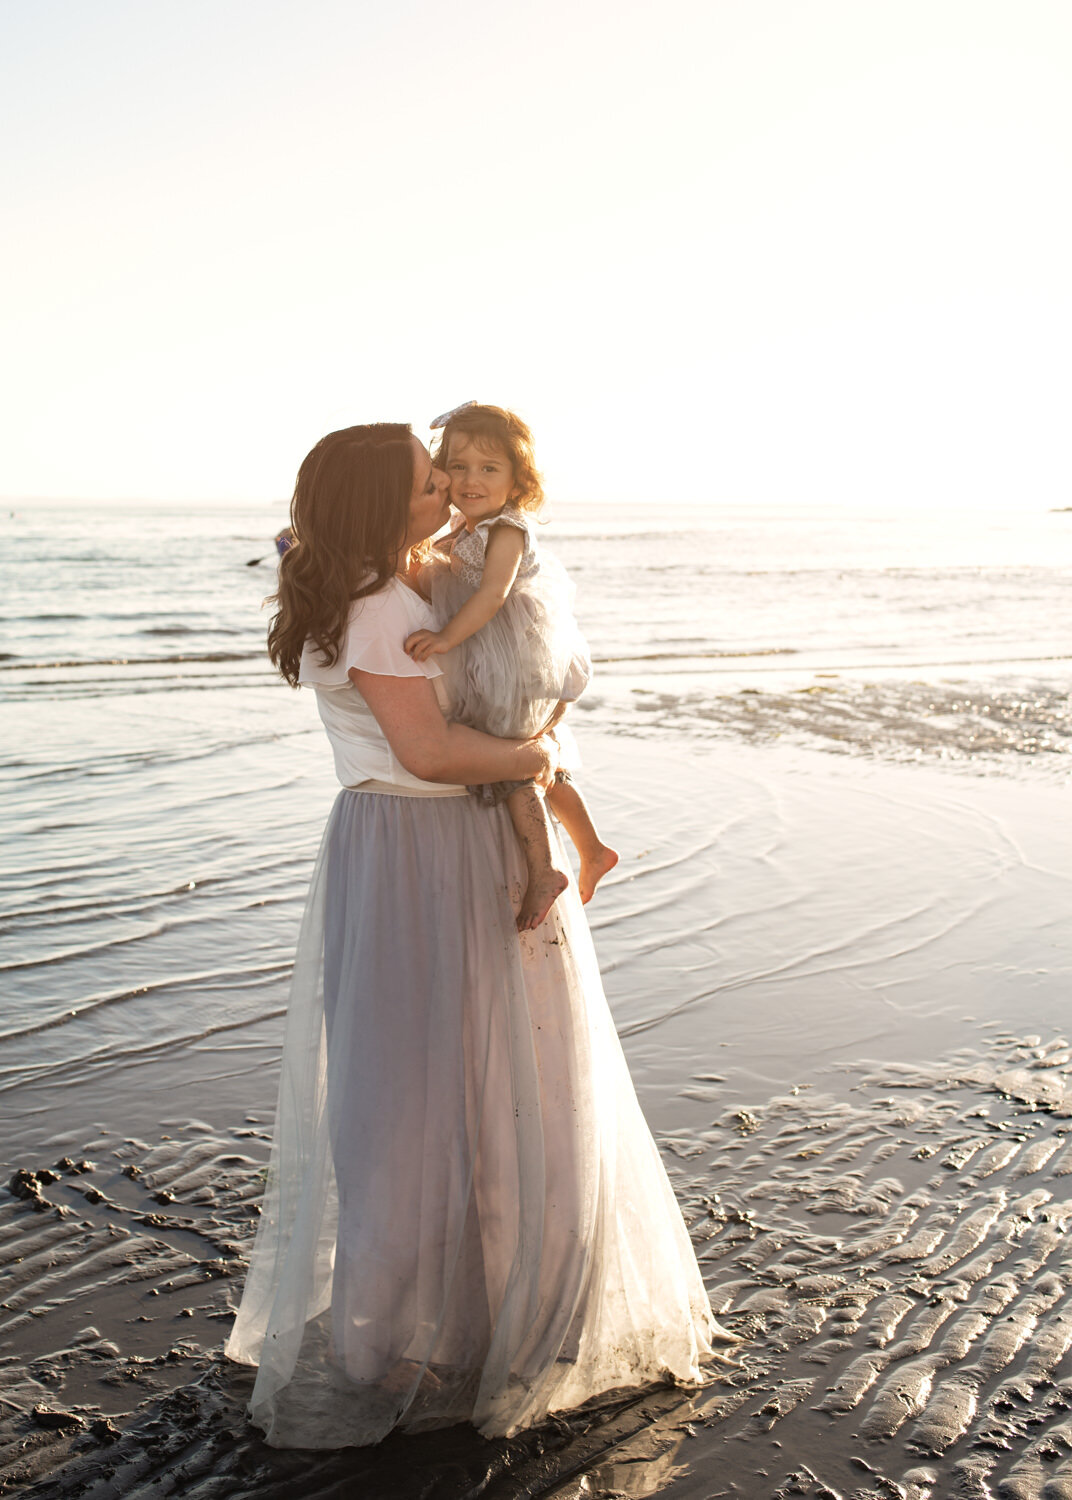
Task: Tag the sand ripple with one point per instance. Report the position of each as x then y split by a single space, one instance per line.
897 1260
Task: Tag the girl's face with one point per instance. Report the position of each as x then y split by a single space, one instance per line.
481 478
429 502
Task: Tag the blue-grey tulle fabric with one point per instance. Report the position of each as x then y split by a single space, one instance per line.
466 1218
511 674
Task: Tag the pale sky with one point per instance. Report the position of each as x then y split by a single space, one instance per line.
737 251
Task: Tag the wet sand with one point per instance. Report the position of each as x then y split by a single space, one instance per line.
841 987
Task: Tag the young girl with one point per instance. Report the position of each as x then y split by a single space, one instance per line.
514 654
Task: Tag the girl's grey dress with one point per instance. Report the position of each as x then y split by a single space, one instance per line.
511 674
466 1218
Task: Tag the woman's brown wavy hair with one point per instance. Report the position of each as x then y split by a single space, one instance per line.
349 516
495 427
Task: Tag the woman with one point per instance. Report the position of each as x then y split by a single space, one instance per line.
466 1217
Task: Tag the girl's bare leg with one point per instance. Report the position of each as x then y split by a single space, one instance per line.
597 858
546 881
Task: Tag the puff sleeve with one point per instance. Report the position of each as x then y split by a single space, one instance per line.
374 640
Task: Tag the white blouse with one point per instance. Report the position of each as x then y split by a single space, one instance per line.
373 642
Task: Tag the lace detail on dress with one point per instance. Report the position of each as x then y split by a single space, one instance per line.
469 548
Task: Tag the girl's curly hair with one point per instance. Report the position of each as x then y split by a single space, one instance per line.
349 517
495 427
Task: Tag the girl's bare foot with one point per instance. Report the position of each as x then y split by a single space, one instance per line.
593 868
402 1377
544 889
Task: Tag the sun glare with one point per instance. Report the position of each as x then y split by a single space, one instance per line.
761 254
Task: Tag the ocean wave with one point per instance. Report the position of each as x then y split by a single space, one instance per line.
130 661
214 629
61 912
246 978
44 617
979 725
118 617
687 654
98 689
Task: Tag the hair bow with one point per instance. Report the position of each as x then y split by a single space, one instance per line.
447 415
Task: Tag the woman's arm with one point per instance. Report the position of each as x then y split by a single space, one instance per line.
506 547
408 712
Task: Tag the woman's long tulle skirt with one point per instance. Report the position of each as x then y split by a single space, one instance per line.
466 1218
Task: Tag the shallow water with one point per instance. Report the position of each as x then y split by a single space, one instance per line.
164 794
147 957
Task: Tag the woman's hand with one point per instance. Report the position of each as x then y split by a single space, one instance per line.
548 748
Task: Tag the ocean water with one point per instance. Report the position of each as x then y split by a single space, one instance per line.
663 589
163 793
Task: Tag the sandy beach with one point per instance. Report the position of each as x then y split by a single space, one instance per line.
842 985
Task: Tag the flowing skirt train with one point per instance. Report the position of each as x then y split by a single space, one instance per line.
466 1218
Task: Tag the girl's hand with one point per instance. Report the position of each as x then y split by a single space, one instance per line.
425 643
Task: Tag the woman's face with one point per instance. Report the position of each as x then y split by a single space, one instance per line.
429 503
